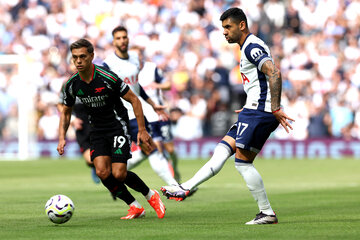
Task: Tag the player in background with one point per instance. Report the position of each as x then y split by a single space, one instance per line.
260 116
80 122
127 66
153 82
100 91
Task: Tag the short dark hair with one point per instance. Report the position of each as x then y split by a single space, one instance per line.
82 43
119 29
236 14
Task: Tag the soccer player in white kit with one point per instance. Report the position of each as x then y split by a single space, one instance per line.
260 116
153 82
127 66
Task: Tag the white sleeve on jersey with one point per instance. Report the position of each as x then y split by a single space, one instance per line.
254 53
146 79
128 71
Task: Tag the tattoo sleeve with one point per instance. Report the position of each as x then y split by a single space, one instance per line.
275 83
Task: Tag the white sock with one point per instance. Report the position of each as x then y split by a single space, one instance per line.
137 158
160 165
211 168
150 194
256 186
136 204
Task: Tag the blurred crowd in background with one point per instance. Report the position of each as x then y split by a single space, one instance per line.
315 43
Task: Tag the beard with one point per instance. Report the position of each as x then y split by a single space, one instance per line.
122 48
230 40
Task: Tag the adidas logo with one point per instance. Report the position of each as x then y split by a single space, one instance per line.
118 151
118 193
80 92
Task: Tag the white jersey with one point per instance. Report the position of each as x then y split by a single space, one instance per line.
148 75
128 71
254 52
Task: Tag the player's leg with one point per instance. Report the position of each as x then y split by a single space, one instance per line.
119 172
132 180
109 153
116 186
159 164
83 139
244 164
161 134
253 128
170 148
137 157
222 152
152 196
137 154
120 153
157 160
163 131
86 156
159 146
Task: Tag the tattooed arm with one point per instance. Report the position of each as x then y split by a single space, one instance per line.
275 83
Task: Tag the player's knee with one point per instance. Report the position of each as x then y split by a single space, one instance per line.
103 173
120 175
170 149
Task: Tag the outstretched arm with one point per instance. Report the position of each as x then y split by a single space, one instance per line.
163 86
275 83
159 109
160 81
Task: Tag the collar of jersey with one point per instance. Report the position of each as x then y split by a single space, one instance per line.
245 40
121 57
93 74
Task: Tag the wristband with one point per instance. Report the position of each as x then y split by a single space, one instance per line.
276 110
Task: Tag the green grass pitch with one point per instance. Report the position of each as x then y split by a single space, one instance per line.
314 199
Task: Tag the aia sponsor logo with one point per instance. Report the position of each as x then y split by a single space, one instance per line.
131 80
244 78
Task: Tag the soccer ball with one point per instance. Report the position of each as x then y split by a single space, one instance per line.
59 209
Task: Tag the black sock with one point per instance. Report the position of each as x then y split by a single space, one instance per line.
174 159
134 182
118 189
91 165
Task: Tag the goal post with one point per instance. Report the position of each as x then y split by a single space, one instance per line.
25 105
